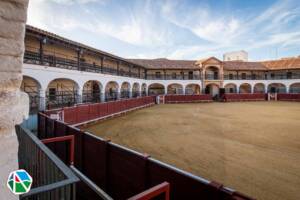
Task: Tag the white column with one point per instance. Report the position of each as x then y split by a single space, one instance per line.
42 102
119 93
79 95
102 97
266 88
287 89
237 89
252 89
130 93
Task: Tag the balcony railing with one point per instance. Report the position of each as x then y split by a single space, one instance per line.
266 76
172 77
68 63
52 179
31 57
212 77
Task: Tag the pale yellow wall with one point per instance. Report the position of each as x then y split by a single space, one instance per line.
32 44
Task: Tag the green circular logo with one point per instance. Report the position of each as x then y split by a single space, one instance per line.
19 182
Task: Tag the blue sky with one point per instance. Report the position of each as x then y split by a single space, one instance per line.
175 29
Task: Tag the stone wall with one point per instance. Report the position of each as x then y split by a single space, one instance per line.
13 103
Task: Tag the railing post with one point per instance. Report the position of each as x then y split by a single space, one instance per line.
42 41
42 100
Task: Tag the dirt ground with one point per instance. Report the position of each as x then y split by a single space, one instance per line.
253 147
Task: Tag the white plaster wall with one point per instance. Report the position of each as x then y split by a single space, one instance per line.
286 82
44 75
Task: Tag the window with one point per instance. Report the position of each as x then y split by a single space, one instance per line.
182 75
289 75
174 75
190 75
231 90
157 75
253 76
216 76
230 76
244 76
272 75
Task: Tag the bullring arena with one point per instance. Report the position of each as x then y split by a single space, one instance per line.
247 146
136 128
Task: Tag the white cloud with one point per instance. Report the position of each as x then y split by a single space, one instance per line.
171 28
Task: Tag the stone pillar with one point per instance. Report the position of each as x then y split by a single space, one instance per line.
237 89
130 94
14 104
118 94
79 96
252 89
287 89
102 97
42 103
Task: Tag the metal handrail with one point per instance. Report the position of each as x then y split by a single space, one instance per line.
70 177
91 184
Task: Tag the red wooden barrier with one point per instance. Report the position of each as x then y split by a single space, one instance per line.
244 97
85 112
288 97
187 98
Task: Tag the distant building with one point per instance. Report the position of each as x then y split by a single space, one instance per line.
236 56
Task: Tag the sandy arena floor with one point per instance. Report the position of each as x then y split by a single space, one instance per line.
253 147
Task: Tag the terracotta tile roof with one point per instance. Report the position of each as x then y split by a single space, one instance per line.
241 65
163 63
288 63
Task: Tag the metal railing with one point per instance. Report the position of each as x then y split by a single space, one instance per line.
52 179
172 77
66 62
61 98
266 76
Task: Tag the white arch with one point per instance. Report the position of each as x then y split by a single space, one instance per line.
178 90
228 89
279 90
293 89
160 89
255 90
192 85
246 89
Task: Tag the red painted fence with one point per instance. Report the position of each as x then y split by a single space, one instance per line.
122 172
288 97
85 112
187 98
244 97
